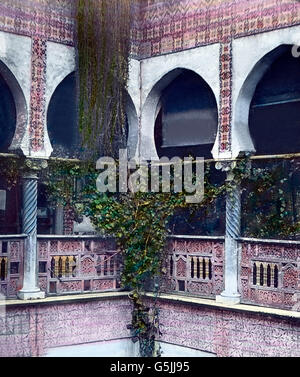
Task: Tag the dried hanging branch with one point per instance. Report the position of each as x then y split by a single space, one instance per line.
103 45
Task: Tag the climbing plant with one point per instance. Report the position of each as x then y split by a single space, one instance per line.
270 200
103 46
140 223
10 169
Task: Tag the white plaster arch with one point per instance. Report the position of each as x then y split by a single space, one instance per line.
252 56
158 72
15 68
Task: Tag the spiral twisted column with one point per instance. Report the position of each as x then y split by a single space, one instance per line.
30 288
233 230
30 205
233 212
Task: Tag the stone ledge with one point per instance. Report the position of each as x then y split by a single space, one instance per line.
12 236
53 237
198 238
65 299
195 301
210 303
269 241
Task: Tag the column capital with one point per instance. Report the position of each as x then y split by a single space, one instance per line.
226 165
32 166
234 168
35 164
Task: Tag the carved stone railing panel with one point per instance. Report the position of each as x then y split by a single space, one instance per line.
11 264
270 273
195 266
78 264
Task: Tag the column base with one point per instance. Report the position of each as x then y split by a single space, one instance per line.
33 295
229 299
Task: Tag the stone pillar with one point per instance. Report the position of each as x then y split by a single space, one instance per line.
30 290
233 229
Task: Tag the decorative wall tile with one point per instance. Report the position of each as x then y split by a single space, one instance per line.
37 93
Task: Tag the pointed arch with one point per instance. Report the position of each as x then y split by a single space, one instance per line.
62 122
244 137
152 107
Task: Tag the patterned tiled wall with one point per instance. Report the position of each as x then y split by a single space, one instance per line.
29 331
45 19
52 20
159 27
229 333
174 25
38 88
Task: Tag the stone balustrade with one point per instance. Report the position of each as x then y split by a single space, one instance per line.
195 265
76 264
269 270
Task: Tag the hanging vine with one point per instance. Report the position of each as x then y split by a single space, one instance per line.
140 223
103 45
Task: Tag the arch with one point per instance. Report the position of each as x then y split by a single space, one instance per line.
62 118
61 62
275 108
151 108
16 139
240 128
57 98
187 120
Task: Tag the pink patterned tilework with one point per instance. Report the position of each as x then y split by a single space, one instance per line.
38 88
229 333
31 330
169 26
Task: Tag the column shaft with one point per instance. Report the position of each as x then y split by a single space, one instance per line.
233 229
30 288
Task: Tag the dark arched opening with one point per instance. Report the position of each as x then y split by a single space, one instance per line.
186 125
9 198
8 116
274 118
187 120
62 119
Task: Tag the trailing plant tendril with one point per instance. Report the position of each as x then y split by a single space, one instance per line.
103 47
